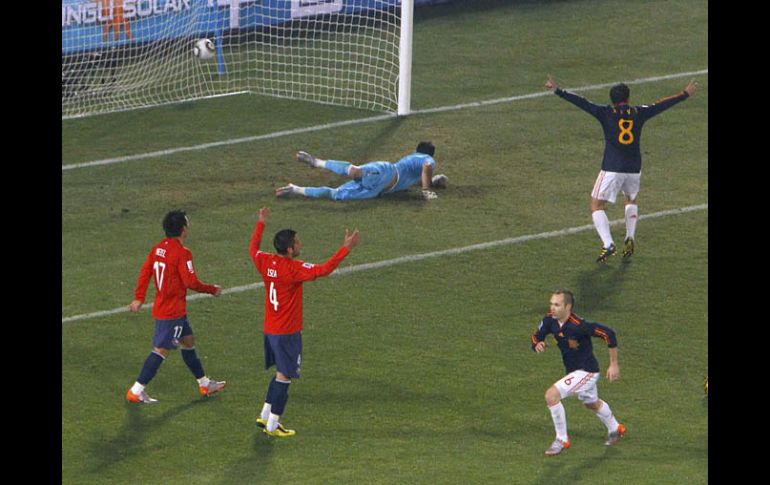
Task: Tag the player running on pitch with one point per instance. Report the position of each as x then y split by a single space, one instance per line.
573 336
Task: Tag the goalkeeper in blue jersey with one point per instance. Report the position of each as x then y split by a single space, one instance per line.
373 179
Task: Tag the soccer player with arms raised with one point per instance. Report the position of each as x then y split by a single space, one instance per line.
573 336
283 276
622 162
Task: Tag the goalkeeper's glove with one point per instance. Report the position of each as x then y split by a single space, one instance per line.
429 194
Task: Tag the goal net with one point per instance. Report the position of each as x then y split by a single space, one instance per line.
125 54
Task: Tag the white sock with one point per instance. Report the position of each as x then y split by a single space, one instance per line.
559 417
137 388
272 422
204 381
605 415
602 225
632 215
320 163
265 414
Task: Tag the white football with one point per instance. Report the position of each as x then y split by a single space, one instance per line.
204 49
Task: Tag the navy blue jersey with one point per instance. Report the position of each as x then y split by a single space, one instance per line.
574 340
622 125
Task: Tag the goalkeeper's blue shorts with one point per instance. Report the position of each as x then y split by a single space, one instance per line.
375 177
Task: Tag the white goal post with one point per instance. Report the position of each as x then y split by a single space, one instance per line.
119 55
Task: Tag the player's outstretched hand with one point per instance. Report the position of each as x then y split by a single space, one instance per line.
429 194
351 240
691 87
551 84
263 213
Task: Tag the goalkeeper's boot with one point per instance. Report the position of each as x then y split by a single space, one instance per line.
556 447
280 431
614 437
305 157
605 253
285 190
261 423
439 181
141 397
212 388
628 248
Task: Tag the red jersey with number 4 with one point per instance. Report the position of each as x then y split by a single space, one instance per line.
170 264
283 277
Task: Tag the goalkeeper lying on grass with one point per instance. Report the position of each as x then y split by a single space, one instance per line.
373 179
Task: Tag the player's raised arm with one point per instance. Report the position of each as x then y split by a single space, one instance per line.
690 89
351 240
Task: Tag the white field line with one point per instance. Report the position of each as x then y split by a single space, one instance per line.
414 257
372 119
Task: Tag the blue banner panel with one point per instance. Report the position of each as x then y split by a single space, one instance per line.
99 24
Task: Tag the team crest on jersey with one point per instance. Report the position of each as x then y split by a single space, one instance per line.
573 344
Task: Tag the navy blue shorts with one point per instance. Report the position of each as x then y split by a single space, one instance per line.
168 333
285 352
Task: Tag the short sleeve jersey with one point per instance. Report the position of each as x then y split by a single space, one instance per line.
574 340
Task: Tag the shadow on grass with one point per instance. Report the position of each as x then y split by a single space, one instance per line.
129 439
559 469
253 467
597 288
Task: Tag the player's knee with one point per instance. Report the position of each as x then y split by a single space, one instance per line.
552 396
593 406
282 377
161 351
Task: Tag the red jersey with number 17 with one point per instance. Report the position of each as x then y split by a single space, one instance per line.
171 265
283 277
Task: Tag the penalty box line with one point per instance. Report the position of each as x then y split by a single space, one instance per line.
412 258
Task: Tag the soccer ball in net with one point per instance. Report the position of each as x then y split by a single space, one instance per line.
204 49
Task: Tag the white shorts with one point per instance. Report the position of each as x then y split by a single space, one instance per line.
581 384
608 184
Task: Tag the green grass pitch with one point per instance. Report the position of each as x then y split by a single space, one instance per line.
418 372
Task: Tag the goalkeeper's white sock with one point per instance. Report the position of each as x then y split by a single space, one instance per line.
559 417
602 225
632 215
605 415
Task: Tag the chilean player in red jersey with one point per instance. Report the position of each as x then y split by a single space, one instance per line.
170 264
283 275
